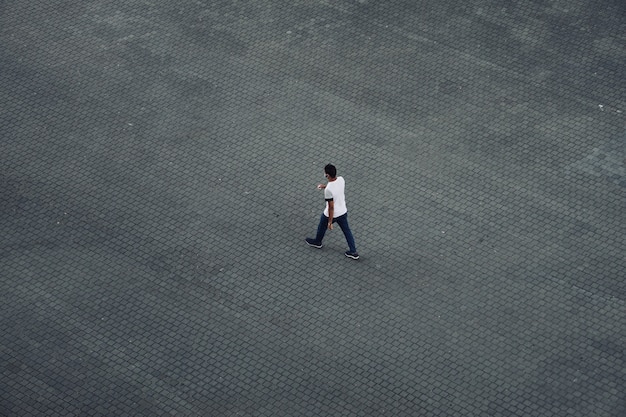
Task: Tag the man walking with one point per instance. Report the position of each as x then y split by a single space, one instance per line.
335 211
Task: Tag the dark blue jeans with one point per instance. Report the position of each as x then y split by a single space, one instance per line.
345 228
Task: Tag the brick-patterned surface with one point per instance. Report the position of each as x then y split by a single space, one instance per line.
158 163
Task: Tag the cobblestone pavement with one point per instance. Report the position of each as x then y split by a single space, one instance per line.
158 163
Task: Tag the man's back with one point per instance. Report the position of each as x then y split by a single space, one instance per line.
335 190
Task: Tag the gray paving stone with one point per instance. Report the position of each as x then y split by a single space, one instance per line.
158 165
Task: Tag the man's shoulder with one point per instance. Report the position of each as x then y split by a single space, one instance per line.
339 181
336 186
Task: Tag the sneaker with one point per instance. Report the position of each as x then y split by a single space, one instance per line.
352 255
312 242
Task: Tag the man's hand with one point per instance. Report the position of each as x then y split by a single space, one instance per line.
330 226
321 186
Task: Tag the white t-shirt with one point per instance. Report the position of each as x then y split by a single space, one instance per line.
335 191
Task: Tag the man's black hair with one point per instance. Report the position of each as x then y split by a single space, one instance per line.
330 170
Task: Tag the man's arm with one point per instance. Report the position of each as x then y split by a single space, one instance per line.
331 209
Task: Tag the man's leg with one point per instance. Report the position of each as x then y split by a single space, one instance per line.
321 231
345 228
